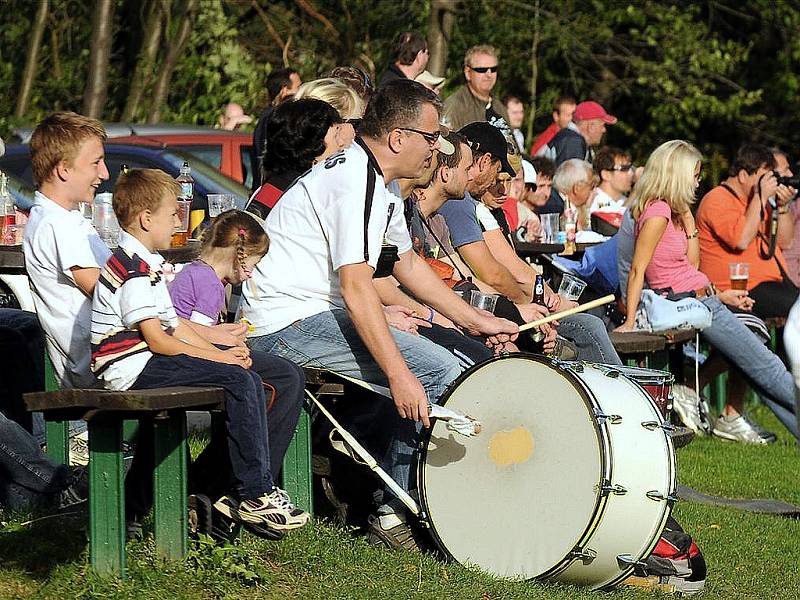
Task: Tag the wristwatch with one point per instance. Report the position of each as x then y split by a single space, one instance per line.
692 235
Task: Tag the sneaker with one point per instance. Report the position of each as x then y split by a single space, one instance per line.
392 531
690 409
79 450
269 514
77 490
739 428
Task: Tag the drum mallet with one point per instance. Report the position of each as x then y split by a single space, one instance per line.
570 311
367 458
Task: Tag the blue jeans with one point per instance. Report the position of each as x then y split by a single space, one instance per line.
765 372
329 340
244 439
29 480
589 334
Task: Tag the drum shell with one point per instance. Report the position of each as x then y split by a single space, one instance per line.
608 524
657 384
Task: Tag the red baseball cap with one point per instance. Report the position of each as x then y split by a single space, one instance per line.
592 110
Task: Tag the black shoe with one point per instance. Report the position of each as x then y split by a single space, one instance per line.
77 490
392 531
204 520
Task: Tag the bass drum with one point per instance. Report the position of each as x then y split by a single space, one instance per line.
571 479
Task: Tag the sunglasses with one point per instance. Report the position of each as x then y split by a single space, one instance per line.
430 137
622 168
483 69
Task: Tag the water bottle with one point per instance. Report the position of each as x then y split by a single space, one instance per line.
181 237
104 219
8 212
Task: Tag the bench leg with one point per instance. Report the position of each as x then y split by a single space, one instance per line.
297 479
106 497
57 435
169 486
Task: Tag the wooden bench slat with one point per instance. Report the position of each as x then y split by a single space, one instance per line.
633 342
129 400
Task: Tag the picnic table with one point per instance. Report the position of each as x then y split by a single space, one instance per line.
12 259
657 350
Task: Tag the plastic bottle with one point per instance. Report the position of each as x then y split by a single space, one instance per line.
8 212
570 227
180 238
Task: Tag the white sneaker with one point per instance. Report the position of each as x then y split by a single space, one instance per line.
692 411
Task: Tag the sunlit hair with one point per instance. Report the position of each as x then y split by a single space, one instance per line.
571 173
482 49
669 175
58 137
139 190
335 92
238 230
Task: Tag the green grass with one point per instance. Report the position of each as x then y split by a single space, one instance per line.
749 555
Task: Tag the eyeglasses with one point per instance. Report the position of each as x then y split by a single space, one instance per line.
483 69
430 136
622 168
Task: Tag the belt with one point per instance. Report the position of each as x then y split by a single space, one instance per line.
709 290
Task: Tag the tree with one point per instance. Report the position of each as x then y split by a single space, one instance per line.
94 96
146 62
440 30
32 60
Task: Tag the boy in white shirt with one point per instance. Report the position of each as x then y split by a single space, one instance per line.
139 343
63 253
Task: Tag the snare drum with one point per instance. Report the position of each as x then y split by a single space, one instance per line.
657 384
571 479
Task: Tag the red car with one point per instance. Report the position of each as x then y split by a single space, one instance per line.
229 151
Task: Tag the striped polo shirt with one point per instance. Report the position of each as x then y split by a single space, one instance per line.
130 290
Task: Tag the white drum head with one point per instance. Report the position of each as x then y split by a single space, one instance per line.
515 499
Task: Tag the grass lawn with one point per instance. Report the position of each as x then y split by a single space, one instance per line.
749 555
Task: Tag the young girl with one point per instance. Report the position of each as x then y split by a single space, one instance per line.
666 256
229 249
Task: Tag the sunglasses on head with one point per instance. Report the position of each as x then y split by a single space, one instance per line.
484 69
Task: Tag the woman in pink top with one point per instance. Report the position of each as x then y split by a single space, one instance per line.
667 254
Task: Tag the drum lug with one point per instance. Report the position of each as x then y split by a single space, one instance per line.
659 497
573 366
617 489
586 556
625 561
612 419
653 425
612 373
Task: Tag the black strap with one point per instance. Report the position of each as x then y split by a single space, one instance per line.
368 208
438 241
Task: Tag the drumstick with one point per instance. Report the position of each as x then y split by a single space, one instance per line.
367 458
568 312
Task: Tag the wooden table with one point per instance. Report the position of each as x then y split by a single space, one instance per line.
532 249
12 259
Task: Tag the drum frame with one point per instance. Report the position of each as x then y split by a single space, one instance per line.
605 490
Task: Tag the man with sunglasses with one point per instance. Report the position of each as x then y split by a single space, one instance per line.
473 101
616 171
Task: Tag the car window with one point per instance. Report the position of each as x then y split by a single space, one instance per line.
208 153
249 165
19 165
114 162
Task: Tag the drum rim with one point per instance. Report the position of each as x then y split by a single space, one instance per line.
603 442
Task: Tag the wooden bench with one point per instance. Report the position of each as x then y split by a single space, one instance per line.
105 411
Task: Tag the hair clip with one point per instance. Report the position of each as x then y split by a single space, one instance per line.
242 232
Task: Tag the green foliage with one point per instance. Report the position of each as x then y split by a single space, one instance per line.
232 561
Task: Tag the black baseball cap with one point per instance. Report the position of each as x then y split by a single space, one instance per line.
488 139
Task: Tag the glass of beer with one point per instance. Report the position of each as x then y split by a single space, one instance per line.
740 272
181 235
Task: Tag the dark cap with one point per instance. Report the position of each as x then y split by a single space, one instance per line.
488 139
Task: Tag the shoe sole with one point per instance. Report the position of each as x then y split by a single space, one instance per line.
731 438
257 523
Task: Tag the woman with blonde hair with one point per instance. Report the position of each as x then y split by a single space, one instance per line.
347 103
666 256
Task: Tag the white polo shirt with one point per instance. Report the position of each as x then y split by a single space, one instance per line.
330 217
56 240
130 290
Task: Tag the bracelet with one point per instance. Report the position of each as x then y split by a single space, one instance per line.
693 235
430 315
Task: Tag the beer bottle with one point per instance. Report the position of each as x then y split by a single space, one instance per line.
123 169
538 291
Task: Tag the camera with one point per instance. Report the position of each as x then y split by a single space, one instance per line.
793 181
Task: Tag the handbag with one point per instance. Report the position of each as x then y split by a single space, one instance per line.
657 313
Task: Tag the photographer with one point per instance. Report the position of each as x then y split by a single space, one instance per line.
746 219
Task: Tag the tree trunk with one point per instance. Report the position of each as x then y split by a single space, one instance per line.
440 29
32 60
94 96
146 62
534 73
176 46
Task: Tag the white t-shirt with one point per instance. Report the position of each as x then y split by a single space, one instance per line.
485 217
56 240
791 341
131 289
319 225
603 202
